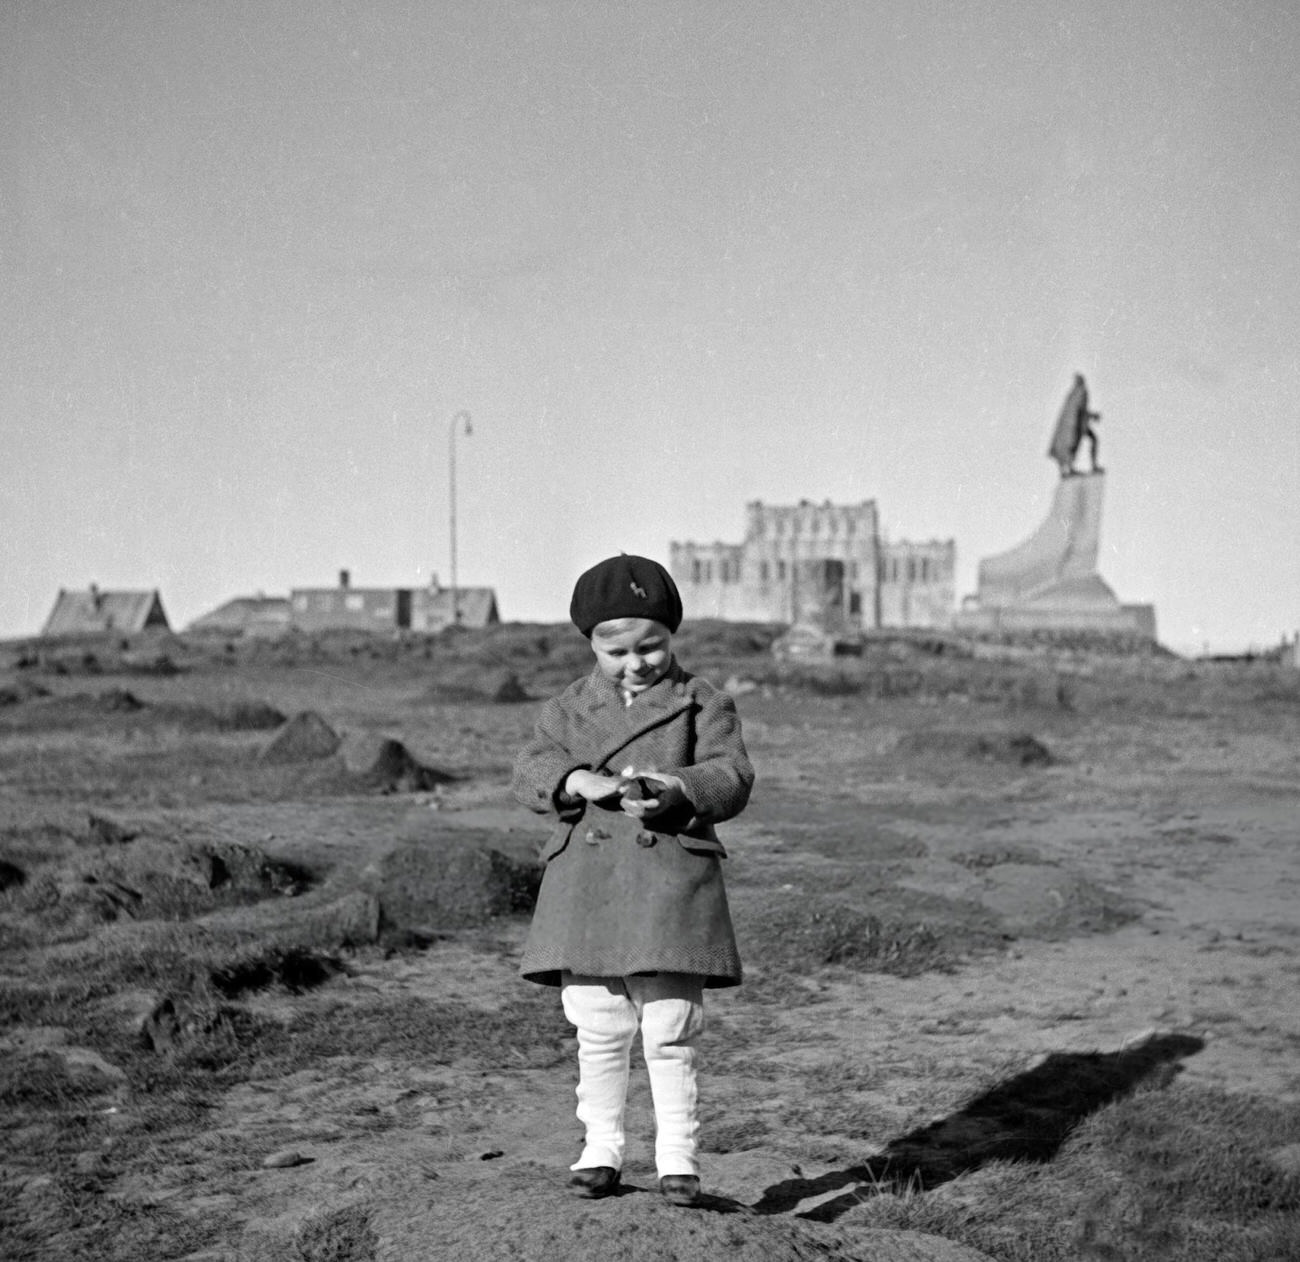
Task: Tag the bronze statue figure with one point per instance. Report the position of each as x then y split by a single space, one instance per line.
1073 425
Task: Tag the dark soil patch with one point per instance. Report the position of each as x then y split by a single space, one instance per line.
295 970
1018 749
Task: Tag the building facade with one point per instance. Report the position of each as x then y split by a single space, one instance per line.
425 609
826 564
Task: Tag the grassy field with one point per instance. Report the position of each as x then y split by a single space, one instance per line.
1018 925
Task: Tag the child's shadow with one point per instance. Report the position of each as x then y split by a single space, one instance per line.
1026 1118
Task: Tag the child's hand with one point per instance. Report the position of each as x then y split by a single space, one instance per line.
587 784
648 796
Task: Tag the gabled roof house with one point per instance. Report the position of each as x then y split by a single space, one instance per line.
99 612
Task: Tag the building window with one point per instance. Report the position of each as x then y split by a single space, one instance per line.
695 571
780 571
764 572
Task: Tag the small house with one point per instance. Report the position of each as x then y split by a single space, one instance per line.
99 612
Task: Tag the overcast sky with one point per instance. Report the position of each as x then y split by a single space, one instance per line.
671 257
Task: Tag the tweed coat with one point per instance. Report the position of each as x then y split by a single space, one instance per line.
620 895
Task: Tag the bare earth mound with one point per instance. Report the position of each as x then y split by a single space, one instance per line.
515 1222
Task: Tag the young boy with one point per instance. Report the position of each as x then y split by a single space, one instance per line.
637 762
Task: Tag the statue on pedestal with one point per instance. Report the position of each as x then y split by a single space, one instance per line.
1073 425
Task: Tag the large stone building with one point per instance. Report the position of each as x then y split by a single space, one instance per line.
822 563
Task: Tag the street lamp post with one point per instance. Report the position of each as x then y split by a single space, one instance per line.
455 589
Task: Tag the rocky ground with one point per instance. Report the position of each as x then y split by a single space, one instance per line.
969 922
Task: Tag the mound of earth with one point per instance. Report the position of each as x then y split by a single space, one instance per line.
516 1218
455 882
1018 749
20 691
1044 900
304 738
388 765
510 690
141 877
892 930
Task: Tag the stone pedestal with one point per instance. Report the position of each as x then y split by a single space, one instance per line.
1050 581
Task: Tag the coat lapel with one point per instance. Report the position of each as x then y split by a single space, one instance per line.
653 708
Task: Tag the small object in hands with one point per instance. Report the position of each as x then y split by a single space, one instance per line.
639 789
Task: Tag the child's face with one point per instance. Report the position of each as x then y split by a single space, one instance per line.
634 652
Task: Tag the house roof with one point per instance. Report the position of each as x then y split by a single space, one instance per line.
242 612
98 612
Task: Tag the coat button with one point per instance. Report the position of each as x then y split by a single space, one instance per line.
645 839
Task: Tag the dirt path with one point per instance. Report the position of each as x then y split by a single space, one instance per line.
863 1057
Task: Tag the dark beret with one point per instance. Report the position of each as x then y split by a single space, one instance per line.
625 587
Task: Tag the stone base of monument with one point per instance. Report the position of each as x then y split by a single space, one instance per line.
1049 582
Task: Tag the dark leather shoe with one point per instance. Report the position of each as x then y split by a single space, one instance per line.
593 1182
680 1189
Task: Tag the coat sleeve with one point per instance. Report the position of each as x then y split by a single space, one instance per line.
543 765
718 781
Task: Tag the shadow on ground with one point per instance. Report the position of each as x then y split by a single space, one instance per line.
1026 1118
